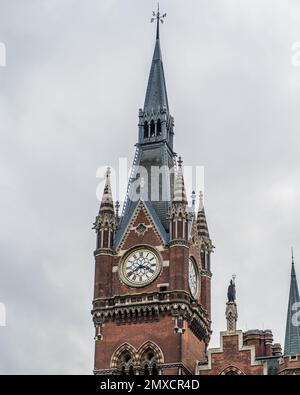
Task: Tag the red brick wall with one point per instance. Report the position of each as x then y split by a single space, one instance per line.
103 276
160 332
289 366
206 293
179 257
192 350
231 356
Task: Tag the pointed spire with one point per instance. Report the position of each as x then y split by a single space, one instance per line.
156 95
201 219
179 189
106 221
292 334
107 205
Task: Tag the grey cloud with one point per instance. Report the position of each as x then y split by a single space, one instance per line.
69 97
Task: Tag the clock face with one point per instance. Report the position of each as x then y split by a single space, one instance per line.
193 279
140 268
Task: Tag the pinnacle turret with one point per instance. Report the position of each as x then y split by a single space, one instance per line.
179 189
106 221
107 205
201 219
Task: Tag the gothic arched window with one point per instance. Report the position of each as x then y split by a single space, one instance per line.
158 127
208 261
148 362
146 130
99 239
232 371
124 363
152 129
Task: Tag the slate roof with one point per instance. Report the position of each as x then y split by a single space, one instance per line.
201 220
156 94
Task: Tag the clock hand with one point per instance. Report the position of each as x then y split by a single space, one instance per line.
137 268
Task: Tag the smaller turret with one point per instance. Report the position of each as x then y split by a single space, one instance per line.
106 221
178 213
202 229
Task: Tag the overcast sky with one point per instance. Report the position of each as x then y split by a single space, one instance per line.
75 78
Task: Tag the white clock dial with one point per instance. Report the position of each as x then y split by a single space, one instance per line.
193 278
140 267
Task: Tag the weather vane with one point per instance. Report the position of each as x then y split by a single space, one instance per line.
157 16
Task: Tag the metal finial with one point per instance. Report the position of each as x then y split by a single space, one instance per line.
201 196
159 18
193 197
107 182
292 249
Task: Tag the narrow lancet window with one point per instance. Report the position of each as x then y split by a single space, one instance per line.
159 127
152 129
146 130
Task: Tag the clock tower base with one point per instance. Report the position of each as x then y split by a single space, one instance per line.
167 350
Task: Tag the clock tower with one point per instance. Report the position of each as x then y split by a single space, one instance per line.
151 306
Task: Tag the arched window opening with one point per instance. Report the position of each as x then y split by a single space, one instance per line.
131 371
208 261
146 130
127 358
152 129
148 362
125 362
146 370
150 356
99 239
158 127
231 373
